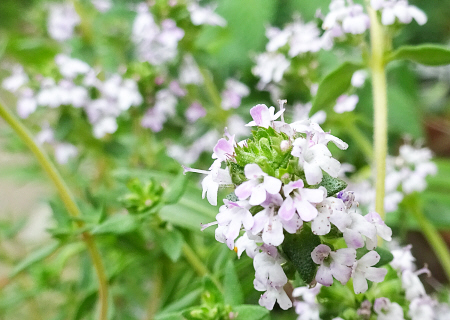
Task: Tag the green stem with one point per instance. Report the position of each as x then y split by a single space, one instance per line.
379 89
198 265
430 232
68 200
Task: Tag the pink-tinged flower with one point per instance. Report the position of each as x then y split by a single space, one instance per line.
272 225
331 210
268 269
233 215
412 285
346 103
314 158
356 21
387 310
423 308
224 148
318 136
195 112
258 185
359 227
214 178
233 94
383 231
263 116
364 270
337 264
300 200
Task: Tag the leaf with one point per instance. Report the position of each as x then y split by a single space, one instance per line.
426 54
116 224
86 305
176 189
171 241
34 257
232 288
298 248
334 85
187 300
333 185
251 312
170 316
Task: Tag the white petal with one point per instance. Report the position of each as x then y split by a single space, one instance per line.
258 195
272 184
313 173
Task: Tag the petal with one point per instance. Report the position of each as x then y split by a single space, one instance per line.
344 256
305 210
260 219
359 283
273 233
210 188
267 300
341 273
247 220
369 259
253 171
283 300
261 115
272 184
321 225
319 253
353 239
313 173
293 224
287 189
258 195
287 209
387 18
244 190
312 195
330 166
324 276
375 274
418 15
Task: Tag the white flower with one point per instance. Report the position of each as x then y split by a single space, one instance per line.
403 259
270 67
346 103
205 15
412 285
233 93
69 67
247 242
359 227
330 210
422 308
272 295
16 80
257 186
26 104
337 264
387 310
383 231
358 78
314 158
104 126
62 21
363 270
356 21
65 151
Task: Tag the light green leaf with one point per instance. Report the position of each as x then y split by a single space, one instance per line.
171 242
176 189
231 285
117 224
334 85
250 312
34 257
426 54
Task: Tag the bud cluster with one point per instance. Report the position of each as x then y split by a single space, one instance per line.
289 211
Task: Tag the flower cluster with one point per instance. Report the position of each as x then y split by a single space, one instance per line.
398 10
405 173
289 209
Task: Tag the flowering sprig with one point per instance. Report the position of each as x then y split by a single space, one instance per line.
291 207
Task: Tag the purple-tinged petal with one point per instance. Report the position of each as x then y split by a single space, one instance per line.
305 210
273 233
324 276
353 239
359 283
293 224
261 115
312 195
319 253
288 188
287 209
341 273
260 219
375 274
244 190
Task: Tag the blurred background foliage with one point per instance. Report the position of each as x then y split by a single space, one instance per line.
53 278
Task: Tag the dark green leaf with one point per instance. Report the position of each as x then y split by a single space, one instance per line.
34 257
334 85
116 224
86 306
231 286
176 189
251 312
426 54
333 185
298 248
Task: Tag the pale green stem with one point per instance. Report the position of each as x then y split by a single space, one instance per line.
431 233
68 200
379 89
198 265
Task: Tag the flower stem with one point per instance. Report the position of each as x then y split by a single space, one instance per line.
430 232
68 200
198 265
379 89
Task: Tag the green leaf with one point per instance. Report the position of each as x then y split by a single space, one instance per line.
116 224
34 257
334 85
171 241
298 248
426 54
176 189
170 316
333 185
232 288
86 305
251 312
